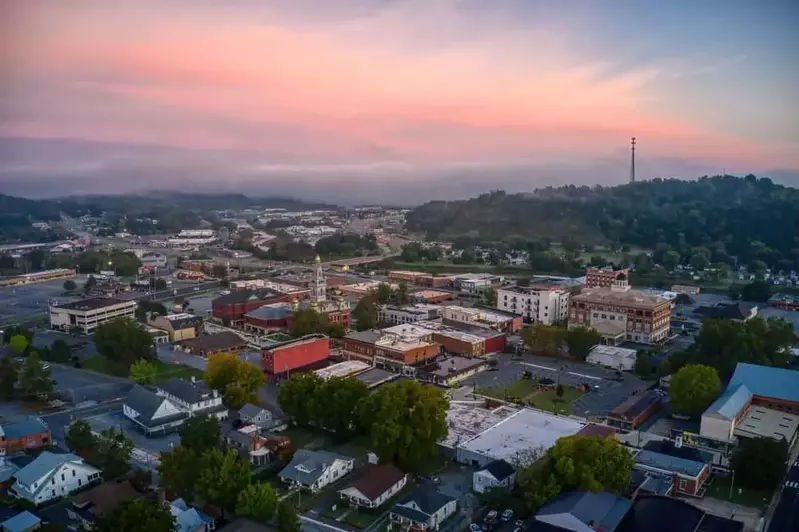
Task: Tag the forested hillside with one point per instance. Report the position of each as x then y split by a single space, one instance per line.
736 220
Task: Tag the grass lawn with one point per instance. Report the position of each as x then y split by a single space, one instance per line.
519 389
360 518
720 489
524 390
164 371
330 513
303 438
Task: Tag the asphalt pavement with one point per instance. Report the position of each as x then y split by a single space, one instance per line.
786 516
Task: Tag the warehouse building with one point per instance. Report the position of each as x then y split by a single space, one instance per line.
396 315
613 357
482 318
629 415
88 314
385 349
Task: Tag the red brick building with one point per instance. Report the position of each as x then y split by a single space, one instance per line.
629 415
306 353
32 433
233 306
377 347
603 277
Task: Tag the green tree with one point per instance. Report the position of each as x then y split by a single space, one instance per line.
8 378
200 433
559 391
383 293
491 297
576 463
365 313
402 296
14 330
286 519
123 342
236 379
339 399
542 338
299 397
178 471
258 501
60 351
693 388
142 372
759 463
18 344
759 291
34 379
580 340
221 478
136 515
80 439
336 330
90 283
643 364
112 453
70 285
305 322
404 421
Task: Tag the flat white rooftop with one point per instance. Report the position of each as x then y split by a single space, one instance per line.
527 429
467 421
343 369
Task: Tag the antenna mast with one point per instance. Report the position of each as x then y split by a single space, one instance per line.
632 160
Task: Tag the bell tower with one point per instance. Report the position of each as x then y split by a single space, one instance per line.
319 286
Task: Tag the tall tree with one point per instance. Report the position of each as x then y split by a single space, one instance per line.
80 439
580 340
299 397
142 372
383 293
178 471
404 421
69 285
365 313
545 339
236 379
123 342
286 519
402 296
258 501
693 388
759 463
341 398
8 378
60 351
222 477
305 322
34 379
136 515
18 344
200 433
112 453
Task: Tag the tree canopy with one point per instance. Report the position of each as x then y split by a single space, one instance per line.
545 339
221 478
693 388
759 463
365 313
580 340
200 433
258 501
143 372
236 379
123 342
178 471
8 378
330 404
34 379
136 515
286 519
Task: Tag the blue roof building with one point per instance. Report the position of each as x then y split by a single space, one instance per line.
22 522
767 382
594 511
730 403
688 476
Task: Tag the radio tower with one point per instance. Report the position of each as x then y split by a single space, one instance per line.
632 161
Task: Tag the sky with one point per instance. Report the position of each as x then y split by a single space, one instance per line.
392 100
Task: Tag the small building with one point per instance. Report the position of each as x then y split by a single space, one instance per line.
432 296
613 357
667 514
342 370
207 345
194 397
86 315
232 307
397 315
26 435
721 417
180 327
254 447
776 388
496 474
159 336
24 521
688 477
255 415
152 413
98 502
762 422
451 370
482 318
424 509
190 519
50 476
635 410
375 486
584 511
313 470
685 289
594 430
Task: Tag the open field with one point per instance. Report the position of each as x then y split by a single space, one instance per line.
720 489
165 371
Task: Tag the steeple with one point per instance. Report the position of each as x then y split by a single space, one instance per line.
319 286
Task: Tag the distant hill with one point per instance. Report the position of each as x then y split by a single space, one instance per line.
729 217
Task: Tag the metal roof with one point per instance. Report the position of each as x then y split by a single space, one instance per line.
307 466
44 464
603 511
668 463
767 381
21 522
730 403
21 429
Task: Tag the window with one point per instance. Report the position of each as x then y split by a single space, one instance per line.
52 493
62 477
683 484
73 472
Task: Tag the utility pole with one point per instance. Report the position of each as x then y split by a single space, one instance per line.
632 160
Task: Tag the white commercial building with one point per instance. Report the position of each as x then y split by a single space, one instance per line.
87 314
525 430
343 369
397 315
619 358
546 305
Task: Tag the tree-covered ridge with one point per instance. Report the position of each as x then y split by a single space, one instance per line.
746 218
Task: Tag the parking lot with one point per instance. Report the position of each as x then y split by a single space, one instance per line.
74 385
607 392
117 419
20 302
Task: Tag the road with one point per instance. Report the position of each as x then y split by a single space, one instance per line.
786 515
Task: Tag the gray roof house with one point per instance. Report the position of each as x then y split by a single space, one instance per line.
425 508
152 413
52 475
193 396
583 511
261 417
313 470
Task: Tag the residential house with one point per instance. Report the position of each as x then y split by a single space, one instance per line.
31 433
424 509
190 519
89 506
180 327
23 521
256 448
206 345
313 470
496 474
152 413
584 511
52 475
251 414
375 486
194 397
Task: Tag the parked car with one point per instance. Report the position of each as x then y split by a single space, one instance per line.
491 516
507 515
519 523
474 527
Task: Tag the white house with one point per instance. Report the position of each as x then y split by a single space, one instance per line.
190 519
497 474
313 470
52 475
153 414
194 397
424 509
613 357
375 486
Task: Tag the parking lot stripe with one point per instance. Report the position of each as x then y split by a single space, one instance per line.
537 366
585 376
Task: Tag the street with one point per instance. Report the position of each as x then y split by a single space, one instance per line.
786 515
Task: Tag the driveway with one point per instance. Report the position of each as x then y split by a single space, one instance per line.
77 386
